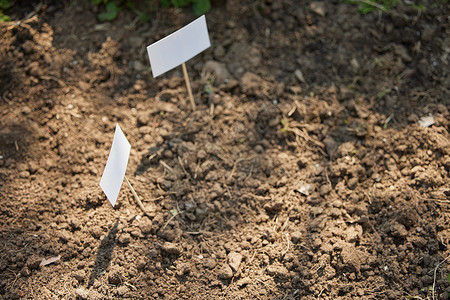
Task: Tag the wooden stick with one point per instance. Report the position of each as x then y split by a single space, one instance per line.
188 85
136 197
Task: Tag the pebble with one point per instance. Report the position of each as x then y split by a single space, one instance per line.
210 263
124 238
324 190
114 277
278 271
171 248
141 263
315 211
82 293
34 262
217 188
201 154
299 75
138 66
296 236
79 275
259 149
146 226
234 260
225 272
64 236
335 212
243 281
96 231
217 70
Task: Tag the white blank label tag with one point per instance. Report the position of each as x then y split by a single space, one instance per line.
179 47
116 166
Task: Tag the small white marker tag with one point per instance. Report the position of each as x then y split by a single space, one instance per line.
116 166
178 47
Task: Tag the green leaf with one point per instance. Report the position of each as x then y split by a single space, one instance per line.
448 277
4 18
165 3
110 13
4 4
201 7
143 17
180 3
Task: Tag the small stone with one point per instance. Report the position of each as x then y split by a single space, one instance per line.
34 262
315 211
278 271
335 212
96 231
324 190
114 277
354 63
26 110
259 149
124 238
190 216
234 260
136 233
24 174
426 121
217 71
210 263
138 66
65 236
25 272
79 275
141 263
82 293
146 225
201 154
352 183
200 213
243 281
318 8
171 248
217 188
225 272
122 290
296 236
299 75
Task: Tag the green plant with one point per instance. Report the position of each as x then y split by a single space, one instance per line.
200 7
110 13
141 7
367 6
4 4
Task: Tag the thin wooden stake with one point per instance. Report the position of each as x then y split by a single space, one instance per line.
188 86
136 197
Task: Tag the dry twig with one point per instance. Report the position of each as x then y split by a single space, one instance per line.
435 271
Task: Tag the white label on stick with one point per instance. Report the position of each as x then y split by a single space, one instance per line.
116 166
179 47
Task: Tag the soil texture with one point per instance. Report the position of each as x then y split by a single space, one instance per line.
316 165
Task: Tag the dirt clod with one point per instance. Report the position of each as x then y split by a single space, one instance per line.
225 272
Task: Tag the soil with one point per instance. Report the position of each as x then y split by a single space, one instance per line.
307 171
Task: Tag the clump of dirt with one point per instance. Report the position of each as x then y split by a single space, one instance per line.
303 173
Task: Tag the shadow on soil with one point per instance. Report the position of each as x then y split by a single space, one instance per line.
104 254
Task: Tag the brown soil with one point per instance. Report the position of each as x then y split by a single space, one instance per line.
304 172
